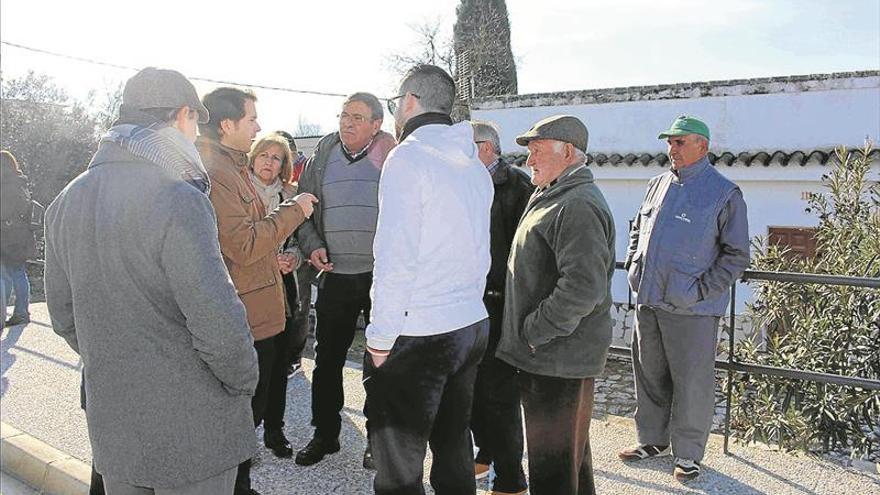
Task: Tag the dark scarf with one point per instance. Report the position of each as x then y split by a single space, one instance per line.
421 120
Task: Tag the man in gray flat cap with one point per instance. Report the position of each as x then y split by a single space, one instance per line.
557 324
136 285
688 243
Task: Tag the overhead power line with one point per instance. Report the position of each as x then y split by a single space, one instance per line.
203 79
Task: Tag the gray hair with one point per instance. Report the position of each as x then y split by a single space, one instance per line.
434 87
487 131
370 100
701 139
579 156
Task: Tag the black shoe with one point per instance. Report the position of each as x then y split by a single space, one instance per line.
276 442
316 450
368 458
15 320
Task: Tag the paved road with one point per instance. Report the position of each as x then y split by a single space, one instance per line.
11 486
40 395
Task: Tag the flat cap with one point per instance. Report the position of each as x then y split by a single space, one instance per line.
685 125
162 88
566 128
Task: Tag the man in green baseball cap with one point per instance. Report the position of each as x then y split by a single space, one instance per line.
688 140
689 241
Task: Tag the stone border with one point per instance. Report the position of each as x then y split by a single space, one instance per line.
41 466
698 89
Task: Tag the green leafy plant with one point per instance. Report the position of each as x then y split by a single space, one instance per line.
824 328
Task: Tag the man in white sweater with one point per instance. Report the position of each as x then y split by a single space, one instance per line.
429 327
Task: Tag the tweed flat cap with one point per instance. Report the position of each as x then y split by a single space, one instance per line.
566 128
162 88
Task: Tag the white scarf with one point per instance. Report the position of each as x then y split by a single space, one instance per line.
269 194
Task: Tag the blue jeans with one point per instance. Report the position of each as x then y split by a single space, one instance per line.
15 280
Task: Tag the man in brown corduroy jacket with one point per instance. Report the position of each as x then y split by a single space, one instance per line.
249 235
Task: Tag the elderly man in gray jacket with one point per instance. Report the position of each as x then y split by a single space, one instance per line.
136 285
557 324
689 242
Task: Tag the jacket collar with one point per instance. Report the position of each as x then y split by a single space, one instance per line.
422 120
688 174
502 173
238 158
565 174
573 176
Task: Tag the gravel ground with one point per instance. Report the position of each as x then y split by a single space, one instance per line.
40 395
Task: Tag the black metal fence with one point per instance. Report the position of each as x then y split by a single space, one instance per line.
731 365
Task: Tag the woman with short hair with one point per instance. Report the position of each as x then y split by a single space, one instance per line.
270 169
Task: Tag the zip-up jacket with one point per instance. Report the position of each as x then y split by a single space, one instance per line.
689 242
557 302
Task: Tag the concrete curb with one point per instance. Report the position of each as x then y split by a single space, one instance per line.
41 466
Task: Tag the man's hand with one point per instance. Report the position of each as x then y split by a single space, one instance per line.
378 357
285 262
319 260
306 202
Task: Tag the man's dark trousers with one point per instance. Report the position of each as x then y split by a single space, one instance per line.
424 393
497 419
341 298
558 413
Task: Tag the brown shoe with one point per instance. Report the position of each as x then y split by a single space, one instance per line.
496 492
481 470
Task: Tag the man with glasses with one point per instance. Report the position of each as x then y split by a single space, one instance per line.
496 421
343 173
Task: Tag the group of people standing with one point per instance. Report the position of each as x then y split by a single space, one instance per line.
180 268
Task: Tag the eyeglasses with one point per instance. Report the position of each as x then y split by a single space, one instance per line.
392 103
355 117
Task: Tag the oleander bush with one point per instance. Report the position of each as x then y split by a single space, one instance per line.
825 328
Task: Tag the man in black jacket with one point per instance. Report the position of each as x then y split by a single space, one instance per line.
496 421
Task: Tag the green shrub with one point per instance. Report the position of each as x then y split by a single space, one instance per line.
825 328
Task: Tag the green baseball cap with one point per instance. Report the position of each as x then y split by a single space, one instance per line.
685 125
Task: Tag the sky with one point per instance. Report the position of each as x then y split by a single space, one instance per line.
343 46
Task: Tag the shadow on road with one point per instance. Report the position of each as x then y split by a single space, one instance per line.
8 341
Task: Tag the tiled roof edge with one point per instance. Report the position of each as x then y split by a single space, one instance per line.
724 159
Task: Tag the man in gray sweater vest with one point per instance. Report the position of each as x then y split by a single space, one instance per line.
343 174
689 242
136 285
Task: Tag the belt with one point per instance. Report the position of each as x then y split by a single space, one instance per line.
494 293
